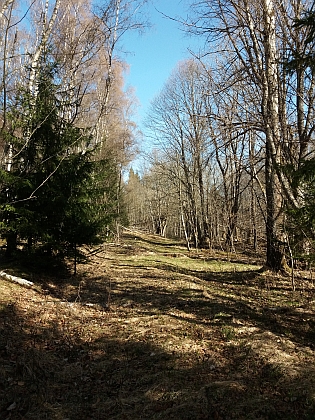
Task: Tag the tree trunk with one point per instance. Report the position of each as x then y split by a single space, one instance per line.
185 231
275 258
11 244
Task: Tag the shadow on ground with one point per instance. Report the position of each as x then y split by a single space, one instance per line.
60 369
44 375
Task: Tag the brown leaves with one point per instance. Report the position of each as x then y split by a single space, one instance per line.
156 352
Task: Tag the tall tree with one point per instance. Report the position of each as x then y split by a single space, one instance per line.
51 196
89 109
259 34
178 121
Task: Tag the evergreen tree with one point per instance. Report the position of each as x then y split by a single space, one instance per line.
52 194
301 221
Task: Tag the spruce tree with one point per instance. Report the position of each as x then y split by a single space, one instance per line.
301 221
53 194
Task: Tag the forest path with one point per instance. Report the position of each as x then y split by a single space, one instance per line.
147 330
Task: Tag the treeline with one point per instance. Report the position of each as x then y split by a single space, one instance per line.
66 133
234 133
233 128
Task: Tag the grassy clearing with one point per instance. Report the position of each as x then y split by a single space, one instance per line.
147 330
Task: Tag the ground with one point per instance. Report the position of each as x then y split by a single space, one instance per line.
147 330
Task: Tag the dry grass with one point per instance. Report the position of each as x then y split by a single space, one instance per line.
148 331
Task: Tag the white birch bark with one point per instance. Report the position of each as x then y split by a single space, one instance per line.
5 6
45 31
15 279
257 32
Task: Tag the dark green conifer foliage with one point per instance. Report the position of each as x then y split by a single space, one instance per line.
301 221
53 194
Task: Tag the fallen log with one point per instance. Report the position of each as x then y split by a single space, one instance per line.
14 279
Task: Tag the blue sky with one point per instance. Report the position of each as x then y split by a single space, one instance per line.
153 55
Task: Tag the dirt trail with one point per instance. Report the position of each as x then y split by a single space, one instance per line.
146 330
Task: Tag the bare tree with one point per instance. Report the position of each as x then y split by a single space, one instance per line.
258 36
178 122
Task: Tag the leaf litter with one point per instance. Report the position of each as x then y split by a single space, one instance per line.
147 330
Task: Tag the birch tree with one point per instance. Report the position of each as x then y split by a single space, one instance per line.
79 43
258 35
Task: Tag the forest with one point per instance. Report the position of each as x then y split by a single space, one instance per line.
183 289
232 162
233 129
66 132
